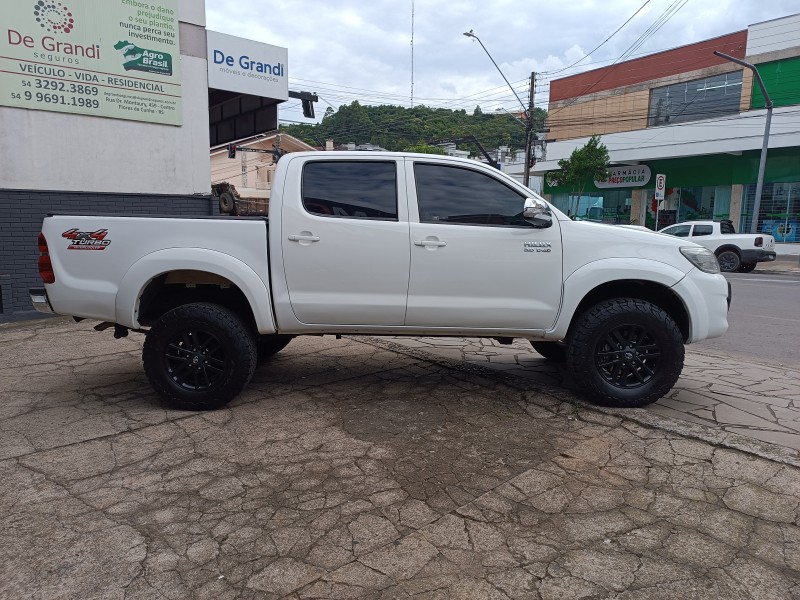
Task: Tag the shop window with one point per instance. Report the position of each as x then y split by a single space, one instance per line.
695 100
779 214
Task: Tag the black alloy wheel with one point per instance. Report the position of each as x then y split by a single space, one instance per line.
199 356
195 359
628 356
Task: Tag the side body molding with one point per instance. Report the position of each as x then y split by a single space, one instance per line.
157 263
593 274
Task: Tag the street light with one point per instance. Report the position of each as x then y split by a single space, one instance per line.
528 111
762 163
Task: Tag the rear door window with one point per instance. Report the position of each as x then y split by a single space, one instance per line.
356 189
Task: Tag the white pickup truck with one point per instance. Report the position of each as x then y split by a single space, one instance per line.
734 251
390 244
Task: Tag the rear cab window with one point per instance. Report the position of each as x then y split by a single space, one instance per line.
352 189
678 230
700 230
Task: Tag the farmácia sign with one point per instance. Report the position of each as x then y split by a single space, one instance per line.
624 177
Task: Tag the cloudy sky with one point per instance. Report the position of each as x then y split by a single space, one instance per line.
349 50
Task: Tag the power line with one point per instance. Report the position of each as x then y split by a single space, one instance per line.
601 43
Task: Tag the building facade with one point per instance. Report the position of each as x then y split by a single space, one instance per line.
694 117
106 108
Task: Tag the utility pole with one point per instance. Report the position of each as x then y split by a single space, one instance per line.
529 133
763 162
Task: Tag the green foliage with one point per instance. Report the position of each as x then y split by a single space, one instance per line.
397 128
424 149
587 163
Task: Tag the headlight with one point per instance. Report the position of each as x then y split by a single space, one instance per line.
702 258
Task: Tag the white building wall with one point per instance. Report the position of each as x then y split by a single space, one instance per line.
43 150
772 36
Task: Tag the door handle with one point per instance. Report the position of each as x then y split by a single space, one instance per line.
303 238
424 243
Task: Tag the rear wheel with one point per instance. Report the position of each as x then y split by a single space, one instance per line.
747 267
729 261
625 352
554 351
199 356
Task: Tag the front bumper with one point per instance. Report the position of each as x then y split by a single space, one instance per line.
707 299
40 301
758 255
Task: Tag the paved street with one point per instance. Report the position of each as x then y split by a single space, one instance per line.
764 317
363 468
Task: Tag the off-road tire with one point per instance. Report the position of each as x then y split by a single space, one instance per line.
227 203
552 351
649 362
729 261
746 267
199 356
270 345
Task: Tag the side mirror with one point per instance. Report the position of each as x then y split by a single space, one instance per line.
537 213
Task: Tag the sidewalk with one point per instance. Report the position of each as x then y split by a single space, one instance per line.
732 400
349 470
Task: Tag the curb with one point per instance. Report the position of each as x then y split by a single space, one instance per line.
704 433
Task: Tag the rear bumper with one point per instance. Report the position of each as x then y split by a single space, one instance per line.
758 255
40 301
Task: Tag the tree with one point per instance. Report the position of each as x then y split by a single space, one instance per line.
587 163
423 148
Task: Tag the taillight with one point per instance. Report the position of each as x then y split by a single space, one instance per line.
45 266
759 241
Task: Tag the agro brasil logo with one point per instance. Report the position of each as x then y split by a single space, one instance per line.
140 59
53 16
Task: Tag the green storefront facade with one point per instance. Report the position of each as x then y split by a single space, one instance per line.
720 186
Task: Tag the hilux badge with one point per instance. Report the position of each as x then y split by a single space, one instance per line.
538 246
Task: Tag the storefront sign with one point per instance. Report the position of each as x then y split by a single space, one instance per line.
239 65
105 58
625 177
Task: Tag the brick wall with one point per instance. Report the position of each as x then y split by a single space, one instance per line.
21 214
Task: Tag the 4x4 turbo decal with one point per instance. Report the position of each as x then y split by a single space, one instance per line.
87 240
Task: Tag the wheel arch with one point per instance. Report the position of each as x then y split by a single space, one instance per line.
725 247
645 280
168 278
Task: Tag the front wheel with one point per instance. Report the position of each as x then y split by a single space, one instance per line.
625 352
199 356
729 261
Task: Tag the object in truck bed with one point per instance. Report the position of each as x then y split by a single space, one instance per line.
231 203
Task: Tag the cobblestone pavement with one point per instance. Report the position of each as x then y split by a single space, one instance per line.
735 397
361 469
